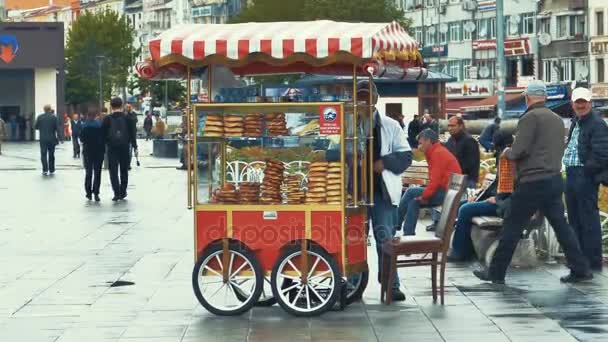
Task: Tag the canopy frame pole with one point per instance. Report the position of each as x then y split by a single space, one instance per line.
187 141
371 141
355 142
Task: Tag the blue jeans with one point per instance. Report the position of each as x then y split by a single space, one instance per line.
462 246
583 213
409 208
383 225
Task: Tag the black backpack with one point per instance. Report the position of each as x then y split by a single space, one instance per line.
118 135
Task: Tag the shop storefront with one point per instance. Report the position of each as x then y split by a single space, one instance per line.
31 74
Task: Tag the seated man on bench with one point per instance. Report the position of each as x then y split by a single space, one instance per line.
442 164
487 203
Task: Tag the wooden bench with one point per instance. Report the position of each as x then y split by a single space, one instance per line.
417 174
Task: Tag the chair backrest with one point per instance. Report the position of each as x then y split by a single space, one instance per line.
450 206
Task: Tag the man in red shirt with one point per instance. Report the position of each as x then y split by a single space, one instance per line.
442 164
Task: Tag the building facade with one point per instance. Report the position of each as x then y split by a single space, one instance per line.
598 52
459 38
215 11
564 41
28 81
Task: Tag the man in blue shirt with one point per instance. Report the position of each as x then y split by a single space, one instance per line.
586 162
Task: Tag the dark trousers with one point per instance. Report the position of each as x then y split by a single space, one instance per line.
92 177
544 195
76 147
583 213
47 156
462 245
118 159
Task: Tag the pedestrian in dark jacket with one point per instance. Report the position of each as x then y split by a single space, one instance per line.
413 129
119 135
537 150
485 139
76 124
148 123
48 126
465 148
586 162
94 146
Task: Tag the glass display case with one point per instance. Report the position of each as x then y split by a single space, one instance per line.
278 154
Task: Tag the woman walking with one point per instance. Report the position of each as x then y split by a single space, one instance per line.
93 151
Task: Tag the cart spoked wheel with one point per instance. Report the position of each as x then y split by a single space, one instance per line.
266 296
355 286
313 295
217 290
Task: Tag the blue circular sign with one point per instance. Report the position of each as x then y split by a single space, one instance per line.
330 114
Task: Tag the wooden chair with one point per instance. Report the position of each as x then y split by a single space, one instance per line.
412 245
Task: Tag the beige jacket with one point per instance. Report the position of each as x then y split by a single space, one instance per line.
2 130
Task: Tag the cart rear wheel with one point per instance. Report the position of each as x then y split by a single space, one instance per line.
318 294
355 286
243 275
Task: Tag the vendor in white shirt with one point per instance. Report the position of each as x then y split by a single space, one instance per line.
392 156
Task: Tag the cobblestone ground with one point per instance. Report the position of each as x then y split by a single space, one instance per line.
59 254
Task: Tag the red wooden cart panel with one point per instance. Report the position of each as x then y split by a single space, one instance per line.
266 236
356 243
211 226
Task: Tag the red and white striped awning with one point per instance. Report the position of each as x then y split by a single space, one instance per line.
313 42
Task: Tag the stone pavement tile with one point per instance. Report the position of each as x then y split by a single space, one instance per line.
51 310
164 317
150 339
154 331
206 325
472 336
410 336
91 334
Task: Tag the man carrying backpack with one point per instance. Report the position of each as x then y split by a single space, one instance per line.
119 135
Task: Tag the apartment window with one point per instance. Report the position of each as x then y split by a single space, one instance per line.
545 25
562 26
528 23
454 69
466 64
430 3
455 32
547 65
430 38
493 28
443 37
418 35
599 23
577 25
512 29
566 70
465 34
482 29
600 71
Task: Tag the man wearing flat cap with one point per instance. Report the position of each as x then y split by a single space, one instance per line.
392 156
537 151
586 162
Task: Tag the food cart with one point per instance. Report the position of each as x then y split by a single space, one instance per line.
272 230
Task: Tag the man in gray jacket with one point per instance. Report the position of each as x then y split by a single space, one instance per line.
537 151
49 138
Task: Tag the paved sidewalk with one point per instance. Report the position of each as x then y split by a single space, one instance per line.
59 254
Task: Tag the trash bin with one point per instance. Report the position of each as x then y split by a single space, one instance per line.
165 148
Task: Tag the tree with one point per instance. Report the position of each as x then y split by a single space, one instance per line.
338 10
104 34
176 91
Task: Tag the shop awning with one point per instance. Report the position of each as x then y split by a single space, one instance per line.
455 105
489 103
314 40
517 110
